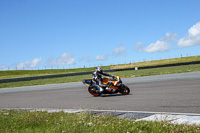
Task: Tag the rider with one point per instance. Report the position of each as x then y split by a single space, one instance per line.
97 76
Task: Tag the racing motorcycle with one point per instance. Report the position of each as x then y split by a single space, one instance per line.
115 85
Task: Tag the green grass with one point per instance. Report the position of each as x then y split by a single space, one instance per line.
29 73
157 62
123 74
60 122
45 81
159 71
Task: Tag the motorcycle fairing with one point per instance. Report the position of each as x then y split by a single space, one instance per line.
87 82
115 81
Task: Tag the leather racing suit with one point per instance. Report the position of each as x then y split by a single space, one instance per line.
96 78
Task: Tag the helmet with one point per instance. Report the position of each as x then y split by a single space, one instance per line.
99 69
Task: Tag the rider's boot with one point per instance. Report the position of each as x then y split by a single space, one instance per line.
101 89
108 86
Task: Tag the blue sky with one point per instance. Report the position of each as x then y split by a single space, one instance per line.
75 33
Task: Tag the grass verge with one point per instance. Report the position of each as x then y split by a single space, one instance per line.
157 62
31 122
30 73
123 74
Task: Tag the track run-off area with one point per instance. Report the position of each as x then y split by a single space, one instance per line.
171 93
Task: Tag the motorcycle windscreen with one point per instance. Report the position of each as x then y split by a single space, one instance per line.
87 82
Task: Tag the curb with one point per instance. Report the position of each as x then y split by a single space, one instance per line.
174 118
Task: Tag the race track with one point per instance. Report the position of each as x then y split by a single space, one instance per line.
162 93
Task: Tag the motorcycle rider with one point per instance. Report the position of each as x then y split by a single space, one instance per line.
97 77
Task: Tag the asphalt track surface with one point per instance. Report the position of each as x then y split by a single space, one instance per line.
162 93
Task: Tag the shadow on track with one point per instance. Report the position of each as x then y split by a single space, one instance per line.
113 95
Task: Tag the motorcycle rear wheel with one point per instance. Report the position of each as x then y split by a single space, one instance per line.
93 91
124 90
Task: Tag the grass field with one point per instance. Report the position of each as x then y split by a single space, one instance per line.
37 122
29 73
123 74
157 62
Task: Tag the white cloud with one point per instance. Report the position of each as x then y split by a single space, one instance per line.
158 46
64 59
119 51
35 62
169 37
101 57
28 64
3 67
139 46
192 38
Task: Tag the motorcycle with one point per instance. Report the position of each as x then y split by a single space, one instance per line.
115 86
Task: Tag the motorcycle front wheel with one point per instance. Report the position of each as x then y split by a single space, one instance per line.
94 91
124 90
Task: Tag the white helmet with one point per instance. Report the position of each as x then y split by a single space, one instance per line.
99 69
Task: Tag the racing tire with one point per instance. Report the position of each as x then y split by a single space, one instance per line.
94 91
124 90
